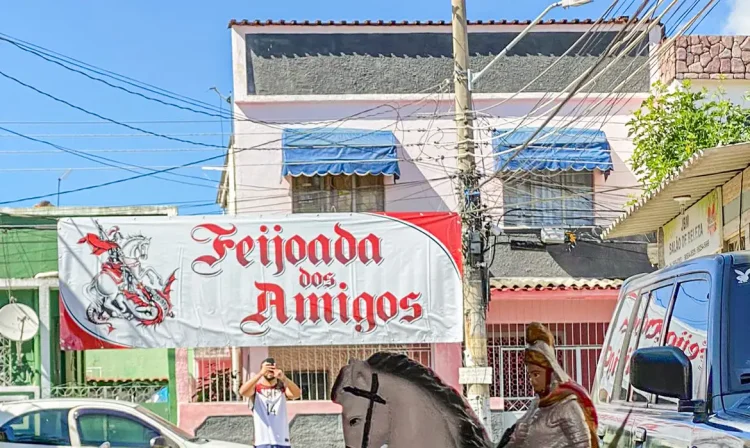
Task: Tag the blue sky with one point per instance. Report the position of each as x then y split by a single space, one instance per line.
183 46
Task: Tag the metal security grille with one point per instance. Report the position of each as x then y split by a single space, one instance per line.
133 392
578 348
314 369
7 361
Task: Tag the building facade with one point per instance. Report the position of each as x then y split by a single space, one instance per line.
358 117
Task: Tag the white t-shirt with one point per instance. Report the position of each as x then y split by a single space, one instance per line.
269 417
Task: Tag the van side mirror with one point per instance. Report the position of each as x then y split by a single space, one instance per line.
664 371
158 442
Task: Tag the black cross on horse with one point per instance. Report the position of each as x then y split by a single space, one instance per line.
373 397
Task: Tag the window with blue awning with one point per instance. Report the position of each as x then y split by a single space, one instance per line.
320 152
556 149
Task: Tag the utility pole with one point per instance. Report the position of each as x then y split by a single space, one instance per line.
476 375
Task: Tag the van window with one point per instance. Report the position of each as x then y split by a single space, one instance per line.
738 337
688 327
612 352
650 335
632 343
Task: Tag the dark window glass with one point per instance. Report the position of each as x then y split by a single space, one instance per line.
738 343
47 427
343 194
688 328
95 429
314 385
549 199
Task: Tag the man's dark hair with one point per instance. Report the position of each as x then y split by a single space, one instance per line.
268 360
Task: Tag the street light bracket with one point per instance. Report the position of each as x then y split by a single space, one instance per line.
573 3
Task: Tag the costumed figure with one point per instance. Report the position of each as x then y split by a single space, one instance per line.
562 415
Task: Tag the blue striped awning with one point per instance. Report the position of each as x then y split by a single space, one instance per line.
562 149
310 152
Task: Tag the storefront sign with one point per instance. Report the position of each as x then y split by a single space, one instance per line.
696 232
330 279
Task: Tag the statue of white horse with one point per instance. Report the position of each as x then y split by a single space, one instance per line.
395 401
112 285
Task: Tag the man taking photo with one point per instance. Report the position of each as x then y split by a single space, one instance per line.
268 391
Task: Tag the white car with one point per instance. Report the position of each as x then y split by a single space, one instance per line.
92 423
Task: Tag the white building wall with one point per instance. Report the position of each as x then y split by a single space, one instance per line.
735 90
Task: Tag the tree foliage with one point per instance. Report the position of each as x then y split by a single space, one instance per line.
672 124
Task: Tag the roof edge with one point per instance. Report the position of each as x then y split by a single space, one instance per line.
622 20
552 283
676 176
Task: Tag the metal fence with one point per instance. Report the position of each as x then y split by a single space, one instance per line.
133 392
313 369
578 348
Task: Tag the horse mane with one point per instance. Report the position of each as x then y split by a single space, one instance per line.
470 429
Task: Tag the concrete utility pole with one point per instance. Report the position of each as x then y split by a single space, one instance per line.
476 375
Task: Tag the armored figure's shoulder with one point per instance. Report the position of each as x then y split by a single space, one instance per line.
568 415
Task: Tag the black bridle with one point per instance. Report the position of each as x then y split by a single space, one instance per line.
373 397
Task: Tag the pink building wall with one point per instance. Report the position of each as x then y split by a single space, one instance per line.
559 306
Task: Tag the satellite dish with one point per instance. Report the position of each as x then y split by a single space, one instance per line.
18 322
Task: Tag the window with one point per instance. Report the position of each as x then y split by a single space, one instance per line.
738 348
613 349
688 327
314 385
650 333
47 427
119 431
633 340
550 199
321 194
736 243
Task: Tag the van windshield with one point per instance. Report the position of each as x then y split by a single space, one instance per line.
738 349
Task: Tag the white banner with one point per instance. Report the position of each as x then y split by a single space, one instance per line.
328 279
696 232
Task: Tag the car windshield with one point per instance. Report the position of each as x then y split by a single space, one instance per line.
738 350
179 432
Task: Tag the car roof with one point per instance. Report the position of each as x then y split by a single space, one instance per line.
22 406
704 263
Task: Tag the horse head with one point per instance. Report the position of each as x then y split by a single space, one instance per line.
365 414
137 247
143 248
396 401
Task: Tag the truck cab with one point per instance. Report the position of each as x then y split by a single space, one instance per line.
675 366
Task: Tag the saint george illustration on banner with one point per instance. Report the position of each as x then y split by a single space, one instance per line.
250 281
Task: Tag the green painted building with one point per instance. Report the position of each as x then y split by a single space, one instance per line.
38 368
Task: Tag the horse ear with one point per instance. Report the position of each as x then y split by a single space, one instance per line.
361 374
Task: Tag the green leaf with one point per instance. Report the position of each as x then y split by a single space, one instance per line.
671 126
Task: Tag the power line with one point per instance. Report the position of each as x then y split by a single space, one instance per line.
110 162
166 170
102 117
